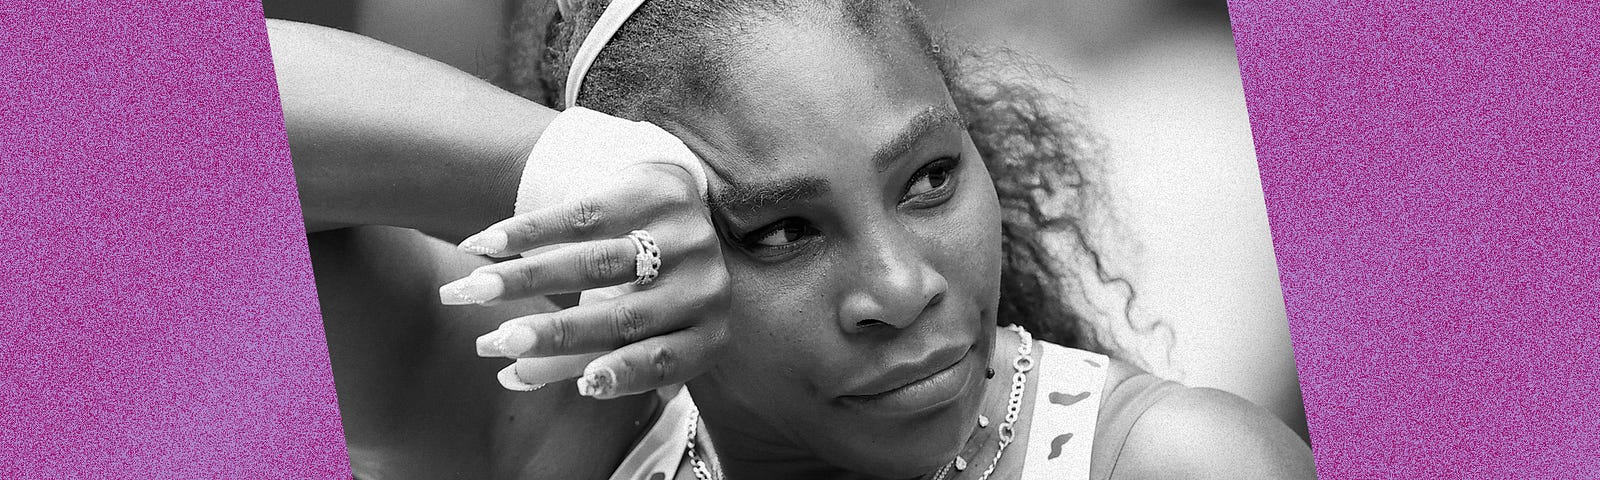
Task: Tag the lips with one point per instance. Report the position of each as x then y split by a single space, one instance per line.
906 374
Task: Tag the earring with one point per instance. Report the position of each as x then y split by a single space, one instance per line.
989 373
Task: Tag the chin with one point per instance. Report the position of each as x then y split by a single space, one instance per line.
923 444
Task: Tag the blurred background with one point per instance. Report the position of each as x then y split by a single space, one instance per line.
1158 79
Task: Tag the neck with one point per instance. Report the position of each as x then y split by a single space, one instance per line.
745 447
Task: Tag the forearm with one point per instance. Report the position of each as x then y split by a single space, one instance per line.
382 136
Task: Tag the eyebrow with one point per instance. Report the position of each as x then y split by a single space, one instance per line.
746 197
932 119
753 196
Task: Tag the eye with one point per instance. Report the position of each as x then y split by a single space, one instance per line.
931 181
779 236
782 235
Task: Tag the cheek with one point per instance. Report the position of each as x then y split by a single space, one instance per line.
777 323
989 234
974 239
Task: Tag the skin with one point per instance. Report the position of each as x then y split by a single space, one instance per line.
435 149
896 257
382 136
415 400
884 266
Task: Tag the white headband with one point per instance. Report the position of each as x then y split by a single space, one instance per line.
611 20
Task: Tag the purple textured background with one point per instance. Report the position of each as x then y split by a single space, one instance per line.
158 318
1430 172
1431 178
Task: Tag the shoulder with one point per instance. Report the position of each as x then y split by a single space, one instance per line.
1209 433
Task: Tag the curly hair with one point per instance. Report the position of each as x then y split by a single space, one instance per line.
673 53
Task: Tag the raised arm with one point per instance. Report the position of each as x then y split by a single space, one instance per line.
383 136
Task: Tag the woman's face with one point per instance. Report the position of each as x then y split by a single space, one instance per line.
862 235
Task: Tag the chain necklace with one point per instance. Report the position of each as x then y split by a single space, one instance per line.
1007 429
701 470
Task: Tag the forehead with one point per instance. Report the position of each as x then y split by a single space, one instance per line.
801 94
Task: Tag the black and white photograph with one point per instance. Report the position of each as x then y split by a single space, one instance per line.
778 239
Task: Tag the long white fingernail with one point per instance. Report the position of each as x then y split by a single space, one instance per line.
507 341
597 382
485 243
476 288
508 379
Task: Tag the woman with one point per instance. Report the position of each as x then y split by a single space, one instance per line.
867 257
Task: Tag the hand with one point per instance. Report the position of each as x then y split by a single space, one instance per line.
623 340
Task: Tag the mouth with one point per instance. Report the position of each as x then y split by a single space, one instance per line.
906 389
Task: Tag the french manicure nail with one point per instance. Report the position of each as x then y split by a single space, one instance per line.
485 243
507 341
476 288
508 379
597 383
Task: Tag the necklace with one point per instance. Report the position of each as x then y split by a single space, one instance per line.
701 470
1007 428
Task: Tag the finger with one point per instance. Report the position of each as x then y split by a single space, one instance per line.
529 374
588 328
603 215
571 268
650 364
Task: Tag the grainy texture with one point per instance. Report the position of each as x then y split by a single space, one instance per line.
1431 177
158 318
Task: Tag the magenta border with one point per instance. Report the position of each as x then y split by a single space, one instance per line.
1430 175
158 318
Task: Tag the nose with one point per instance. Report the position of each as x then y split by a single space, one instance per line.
890 284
